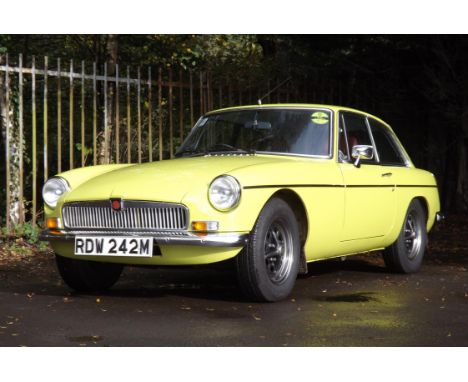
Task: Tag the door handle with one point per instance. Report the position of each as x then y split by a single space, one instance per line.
387 174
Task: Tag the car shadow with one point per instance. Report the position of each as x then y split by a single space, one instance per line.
205 283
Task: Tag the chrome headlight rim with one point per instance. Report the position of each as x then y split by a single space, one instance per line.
236 187
61 183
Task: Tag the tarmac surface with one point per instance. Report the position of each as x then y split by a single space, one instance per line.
339 303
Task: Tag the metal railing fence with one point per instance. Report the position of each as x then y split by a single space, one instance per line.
61 116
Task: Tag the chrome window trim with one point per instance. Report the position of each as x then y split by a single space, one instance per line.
372 140
341 118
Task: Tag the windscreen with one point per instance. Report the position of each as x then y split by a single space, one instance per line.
294 131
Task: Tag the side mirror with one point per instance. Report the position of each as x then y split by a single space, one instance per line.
360 152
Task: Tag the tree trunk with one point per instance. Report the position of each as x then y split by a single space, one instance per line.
9 126
106 139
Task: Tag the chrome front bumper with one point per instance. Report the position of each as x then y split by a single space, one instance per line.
231 239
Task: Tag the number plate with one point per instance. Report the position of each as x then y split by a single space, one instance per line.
114 246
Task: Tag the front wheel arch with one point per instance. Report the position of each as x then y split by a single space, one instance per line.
299 209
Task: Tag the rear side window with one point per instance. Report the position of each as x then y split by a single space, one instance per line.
389 153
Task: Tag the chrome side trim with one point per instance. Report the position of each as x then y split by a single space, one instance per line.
230 239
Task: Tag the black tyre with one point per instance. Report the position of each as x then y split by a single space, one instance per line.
267 267
88 276
407 253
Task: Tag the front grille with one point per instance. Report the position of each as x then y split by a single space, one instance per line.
134 215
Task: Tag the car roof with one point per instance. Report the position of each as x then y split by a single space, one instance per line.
296 105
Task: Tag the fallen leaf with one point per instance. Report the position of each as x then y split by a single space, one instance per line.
257 318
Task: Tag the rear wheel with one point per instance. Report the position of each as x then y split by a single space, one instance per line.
407 253
267 267
88 276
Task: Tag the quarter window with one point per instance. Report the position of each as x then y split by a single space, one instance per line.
389 153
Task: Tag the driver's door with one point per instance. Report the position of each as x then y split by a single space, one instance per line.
369 188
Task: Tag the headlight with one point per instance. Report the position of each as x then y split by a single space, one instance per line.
224 192
53 189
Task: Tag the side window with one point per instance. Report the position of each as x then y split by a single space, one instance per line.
389 153
357 133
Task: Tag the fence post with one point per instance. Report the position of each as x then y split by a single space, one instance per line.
21 140
7 143
129 137
106 122
201 94
59 118
34 141
139 114
191 99
150 116
70 117
171 132
94 116
44 119
160 114
181 106
83 152
117 116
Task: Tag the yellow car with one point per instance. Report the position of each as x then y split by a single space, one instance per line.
273 186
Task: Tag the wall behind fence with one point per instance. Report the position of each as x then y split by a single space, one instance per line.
59 115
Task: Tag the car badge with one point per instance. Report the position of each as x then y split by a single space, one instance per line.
116 204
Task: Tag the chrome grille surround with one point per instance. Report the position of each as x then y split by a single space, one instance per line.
134 215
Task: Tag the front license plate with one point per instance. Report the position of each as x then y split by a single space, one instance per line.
114 246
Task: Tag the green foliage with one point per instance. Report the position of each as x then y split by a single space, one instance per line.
23 238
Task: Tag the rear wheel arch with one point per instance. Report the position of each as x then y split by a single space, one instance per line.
424 204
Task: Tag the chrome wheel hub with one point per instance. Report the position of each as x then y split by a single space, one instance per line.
278 250
412 236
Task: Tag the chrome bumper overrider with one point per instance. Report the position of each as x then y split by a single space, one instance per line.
440 217
231 239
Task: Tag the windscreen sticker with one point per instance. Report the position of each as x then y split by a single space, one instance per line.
319 117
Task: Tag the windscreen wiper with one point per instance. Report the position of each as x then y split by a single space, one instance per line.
192 153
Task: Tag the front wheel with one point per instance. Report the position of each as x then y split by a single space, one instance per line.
267 267
88 276
407 253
